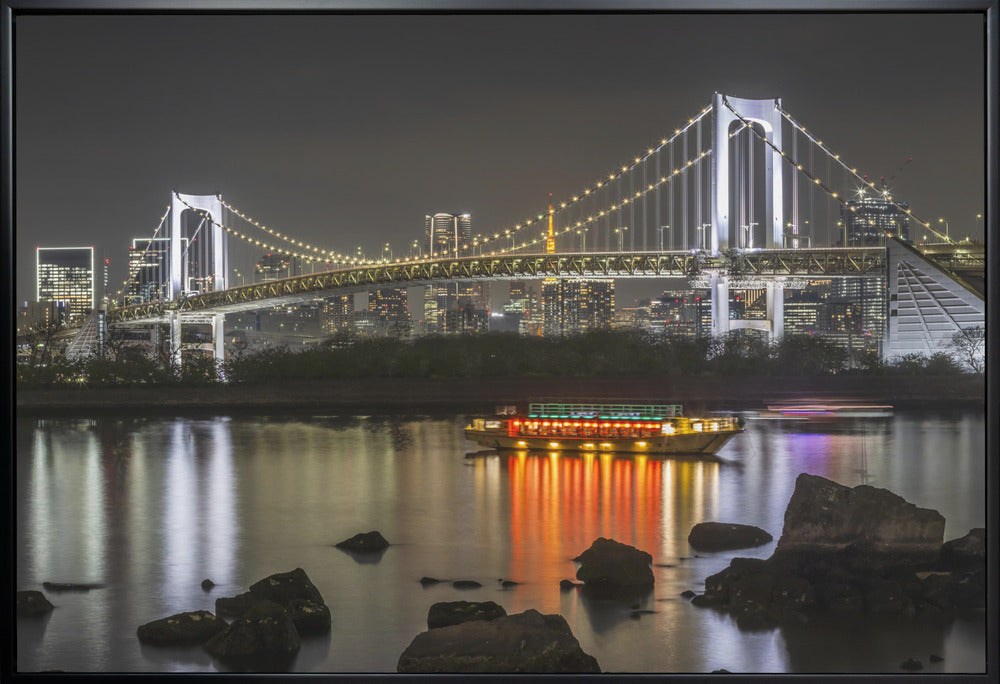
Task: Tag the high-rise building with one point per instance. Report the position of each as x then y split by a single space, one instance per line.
66 274
522 303
149 269
338 314
865 221
388 311
572 306
448 234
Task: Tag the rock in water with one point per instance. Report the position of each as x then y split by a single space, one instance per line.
282 587
527 642
293 591
716 536
611 567
449 613
207 584
183 629
364 541
911 664
31 603
263 639
825 516
965 551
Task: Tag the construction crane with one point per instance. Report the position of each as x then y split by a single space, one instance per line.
884 184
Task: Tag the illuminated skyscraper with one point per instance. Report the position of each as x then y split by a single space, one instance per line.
66 274
149 269
338 314
448 234
866 220
571 306
388 311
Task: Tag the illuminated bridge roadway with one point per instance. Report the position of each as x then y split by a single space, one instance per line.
739 266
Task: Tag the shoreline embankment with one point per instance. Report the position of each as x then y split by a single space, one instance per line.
483 395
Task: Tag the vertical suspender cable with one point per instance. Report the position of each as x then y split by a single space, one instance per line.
684 183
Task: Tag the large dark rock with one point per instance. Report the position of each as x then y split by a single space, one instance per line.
264 639
282 587
966 551
70 586
611 567
825 516
853 551
183 629
364 541
449 613
293 591
234 606
527 642
31 603
717 536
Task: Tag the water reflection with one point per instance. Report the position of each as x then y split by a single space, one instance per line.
560 504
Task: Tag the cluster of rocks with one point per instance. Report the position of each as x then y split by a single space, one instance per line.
479 637
270 619
860 550
467 637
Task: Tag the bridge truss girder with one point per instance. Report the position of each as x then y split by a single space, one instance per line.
802 263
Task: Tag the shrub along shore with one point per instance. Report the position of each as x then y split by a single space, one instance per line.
476 373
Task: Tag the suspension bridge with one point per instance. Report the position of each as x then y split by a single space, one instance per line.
741 195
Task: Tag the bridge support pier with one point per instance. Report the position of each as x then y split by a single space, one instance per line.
174 321
219 340
776 311
719 288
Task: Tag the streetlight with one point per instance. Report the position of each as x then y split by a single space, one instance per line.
704 233
662 228
620 231
748 242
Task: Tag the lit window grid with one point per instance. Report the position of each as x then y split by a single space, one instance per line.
74 285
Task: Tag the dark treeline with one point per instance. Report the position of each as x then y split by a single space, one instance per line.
593 354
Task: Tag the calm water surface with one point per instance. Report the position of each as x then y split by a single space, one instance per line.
151 507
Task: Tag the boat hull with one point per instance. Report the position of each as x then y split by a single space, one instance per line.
693 443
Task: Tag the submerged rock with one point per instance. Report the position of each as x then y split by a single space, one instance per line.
182 629
70 586
207 584
449 613
429 580
717 536
610 567
527 642
566 585
31 603
466 584
263 638
911 664
364 541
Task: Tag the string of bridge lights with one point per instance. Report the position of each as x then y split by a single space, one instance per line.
121 293
505 232
479 239
854 172
816 181
329 254
601 214
246 238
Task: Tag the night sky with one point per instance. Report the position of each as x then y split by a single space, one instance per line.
346 130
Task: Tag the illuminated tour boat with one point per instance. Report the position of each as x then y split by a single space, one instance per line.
621 428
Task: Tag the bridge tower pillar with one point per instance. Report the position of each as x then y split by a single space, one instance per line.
212 205
767 114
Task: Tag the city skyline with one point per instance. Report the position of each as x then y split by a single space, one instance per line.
304 145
